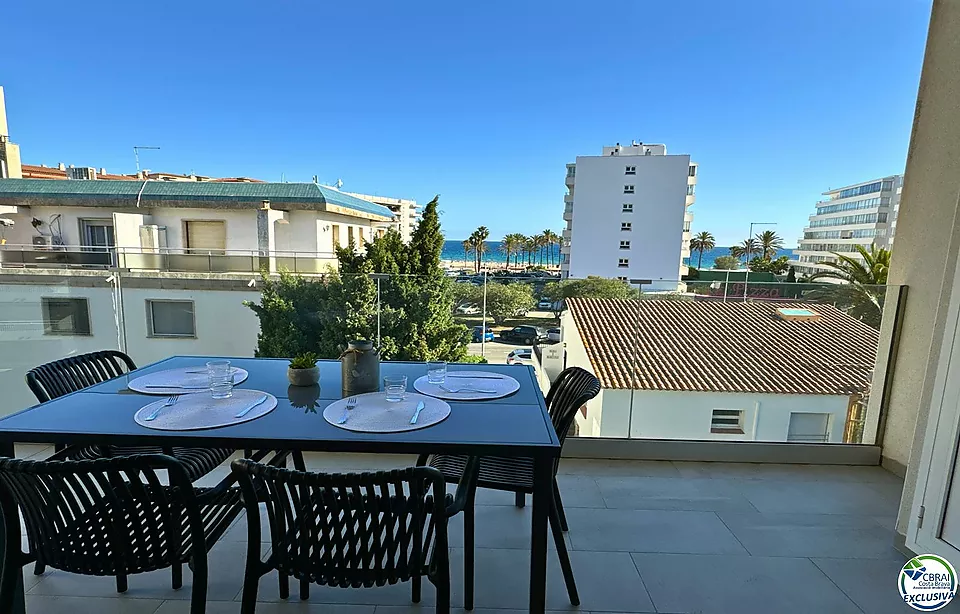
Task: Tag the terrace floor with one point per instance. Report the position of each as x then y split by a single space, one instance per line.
644 537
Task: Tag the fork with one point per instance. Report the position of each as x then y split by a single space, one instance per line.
166 403
467 389
351 403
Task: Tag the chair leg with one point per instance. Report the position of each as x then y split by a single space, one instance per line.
559 504
416 589
469 523
8 584
284 580
198 596
521 499
39 568
443 592
304 590
564 557
121 583
176 572
251 583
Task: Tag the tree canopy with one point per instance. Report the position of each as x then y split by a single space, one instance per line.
300 314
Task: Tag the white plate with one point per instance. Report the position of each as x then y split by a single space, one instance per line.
201 411
375 414
460 388
179 381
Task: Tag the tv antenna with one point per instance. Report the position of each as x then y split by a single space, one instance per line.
136 153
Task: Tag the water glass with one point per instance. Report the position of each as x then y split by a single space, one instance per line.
395 387
221 379
436 372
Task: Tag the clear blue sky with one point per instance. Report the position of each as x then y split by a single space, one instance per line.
481 102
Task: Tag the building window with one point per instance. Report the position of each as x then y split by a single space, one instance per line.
623 263
65 316
167 318
349 235
691 190
624 244
727 421
626 226
631 170
686 227
692 171
628 189
360 234
97 234
621 278
205 236
628 207
336 235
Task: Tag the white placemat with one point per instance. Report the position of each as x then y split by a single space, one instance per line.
375 414
183 380
201 411
469 386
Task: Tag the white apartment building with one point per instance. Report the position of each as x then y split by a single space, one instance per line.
183 226
406 212
859 214
627 213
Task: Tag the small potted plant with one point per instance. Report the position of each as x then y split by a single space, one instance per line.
303 370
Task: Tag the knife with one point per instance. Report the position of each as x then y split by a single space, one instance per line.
176 386
246 410
465 374
416 414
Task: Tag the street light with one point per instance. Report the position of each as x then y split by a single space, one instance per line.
746 275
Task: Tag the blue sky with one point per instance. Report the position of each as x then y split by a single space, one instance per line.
483 102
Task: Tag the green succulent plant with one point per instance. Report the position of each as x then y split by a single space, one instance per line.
304 361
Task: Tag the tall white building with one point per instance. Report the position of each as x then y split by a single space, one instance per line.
627 213
859 214
406 212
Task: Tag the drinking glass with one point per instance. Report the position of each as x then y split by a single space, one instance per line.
436 372
221 379
395 387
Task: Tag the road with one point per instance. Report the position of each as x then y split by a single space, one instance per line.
495 351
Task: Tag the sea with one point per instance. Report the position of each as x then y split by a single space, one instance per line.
453 251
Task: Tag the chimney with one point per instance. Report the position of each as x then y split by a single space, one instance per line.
103 171
61 167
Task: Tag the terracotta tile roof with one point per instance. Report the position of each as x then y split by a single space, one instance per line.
31 171
708 346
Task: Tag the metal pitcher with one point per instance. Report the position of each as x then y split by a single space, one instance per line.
360 368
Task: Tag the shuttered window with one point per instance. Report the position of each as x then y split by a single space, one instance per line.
205 236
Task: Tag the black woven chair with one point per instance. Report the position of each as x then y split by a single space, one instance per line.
111 517
74 373
572 388
350 530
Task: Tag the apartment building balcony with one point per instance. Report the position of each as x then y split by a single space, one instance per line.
565 234
568 212
163 260
644 536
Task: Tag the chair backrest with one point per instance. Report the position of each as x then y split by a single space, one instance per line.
100 517
74 373
347 530
572 388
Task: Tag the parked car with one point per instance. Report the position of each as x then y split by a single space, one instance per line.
487 336
468 310
528 335
519 357
553 334
545 304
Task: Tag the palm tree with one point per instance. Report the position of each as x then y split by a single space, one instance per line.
702 242
769 243
508 246
467 248
480 236
554 239
531 245
862 293
744 250
541 242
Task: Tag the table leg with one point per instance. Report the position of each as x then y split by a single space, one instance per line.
542 491
19 607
